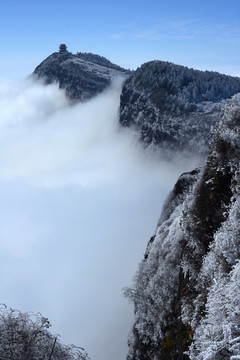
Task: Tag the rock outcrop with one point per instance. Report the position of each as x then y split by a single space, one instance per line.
82 75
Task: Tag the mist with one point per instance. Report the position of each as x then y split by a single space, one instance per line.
80 199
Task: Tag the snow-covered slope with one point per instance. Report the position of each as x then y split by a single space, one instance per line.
187 288
82 75
175 107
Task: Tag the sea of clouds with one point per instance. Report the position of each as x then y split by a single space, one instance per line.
80 199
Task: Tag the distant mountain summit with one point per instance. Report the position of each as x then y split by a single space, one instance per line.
174 107
82 75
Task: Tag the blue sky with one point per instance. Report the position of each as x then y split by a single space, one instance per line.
196 33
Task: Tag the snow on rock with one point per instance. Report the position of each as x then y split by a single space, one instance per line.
82 75
186 291
174 107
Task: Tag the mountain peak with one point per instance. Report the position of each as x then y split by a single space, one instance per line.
82 75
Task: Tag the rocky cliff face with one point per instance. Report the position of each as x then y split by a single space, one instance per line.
82 75
174 107
187 289
170 106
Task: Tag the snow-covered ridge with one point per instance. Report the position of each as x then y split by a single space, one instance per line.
170 106
174 107
92 68
82 75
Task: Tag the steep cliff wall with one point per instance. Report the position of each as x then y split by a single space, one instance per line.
187 288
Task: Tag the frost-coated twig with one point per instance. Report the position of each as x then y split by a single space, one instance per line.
54 343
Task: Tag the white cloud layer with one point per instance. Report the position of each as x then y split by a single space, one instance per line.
79 201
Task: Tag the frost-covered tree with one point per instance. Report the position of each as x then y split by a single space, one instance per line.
26 336
175 107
